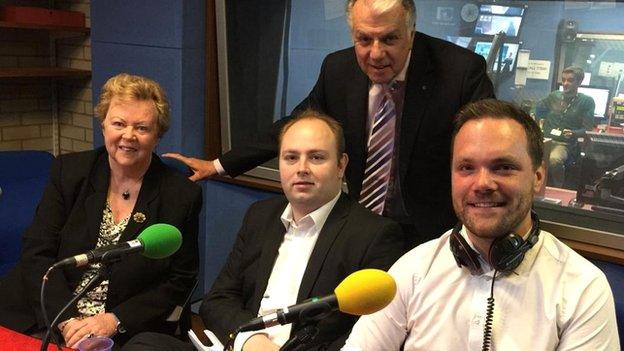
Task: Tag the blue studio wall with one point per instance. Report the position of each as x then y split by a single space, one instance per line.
165 40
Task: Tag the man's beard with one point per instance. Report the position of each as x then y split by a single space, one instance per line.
503 226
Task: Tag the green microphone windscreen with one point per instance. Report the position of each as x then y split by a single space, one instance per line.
365 291
160 240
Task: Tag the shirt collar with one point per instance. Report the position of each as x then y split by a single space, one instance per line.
531 255
482 261
318 216
524 266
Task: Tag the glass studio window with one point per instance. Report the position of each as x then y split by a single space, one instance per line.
270 54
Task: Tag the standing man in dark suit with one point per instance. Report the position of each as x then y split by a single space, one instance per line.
426 79
295 247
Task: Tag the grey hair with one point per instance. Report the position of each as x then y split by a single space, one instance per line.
381 6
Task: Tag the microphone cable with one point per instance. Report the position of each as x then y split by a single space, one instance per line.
102 274
489 318
44 312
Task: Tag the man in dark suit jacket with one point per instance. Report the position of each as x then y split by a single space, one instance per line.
142 292
292 248
351 239
435 79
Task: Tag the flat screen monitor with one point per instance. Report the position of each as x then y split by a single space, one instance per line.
586 78
509 50
495 18
601 96
464 42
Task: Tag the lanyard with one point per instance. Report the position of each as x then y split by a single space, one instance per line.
565 110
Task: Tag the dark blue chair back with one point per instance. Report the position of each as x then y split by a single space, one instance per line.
23 176
615 276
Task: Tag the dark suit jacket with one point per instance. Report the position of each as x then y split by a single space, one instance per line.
441 78
142 292
352 238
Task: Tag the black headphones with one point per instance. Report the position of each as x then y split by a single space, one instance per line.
506 252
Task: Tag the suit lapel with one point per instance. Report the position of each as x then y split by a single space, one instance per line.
419 85
275 232
355 125
332 228
145 209
95 199
357 106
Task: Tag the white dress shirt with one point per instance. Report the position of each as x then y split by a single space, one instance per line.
555 300
292 260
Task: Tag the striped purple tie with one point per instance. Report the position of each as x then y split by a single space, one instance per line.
380 150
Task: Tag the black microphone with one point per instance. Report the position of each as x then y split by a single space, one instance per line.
96 255
311 309
156 241
362 292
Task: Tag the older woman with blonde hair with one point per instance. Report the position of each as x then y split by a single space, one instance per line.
99 198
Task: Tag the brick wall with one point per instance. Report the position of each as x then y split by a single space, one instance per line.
74 103
27 105
25 122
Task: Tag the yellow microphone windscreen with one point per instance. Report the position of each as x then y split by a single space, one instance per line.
365 291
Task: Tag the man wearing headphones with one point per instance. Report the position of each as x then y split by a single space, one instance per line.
516 288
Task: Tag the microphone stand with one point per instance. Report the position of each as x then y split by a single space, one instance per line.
102 274
302 338
229 345
311 312
309 318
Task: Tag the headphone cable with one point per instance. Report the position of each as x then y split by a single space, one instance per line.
489 318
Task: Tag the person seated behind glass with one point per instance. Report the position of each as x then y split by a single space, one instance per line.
507 63
567 115
102 197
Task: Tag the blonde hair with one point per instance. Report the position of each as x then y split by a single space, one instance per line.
129 87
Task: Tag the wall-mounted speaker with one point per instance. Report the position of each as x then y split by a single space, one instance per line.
567 30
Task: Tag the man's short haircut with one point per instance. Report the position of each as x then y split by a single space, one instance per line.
381 6
577 71
127 87
310 114
496 109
